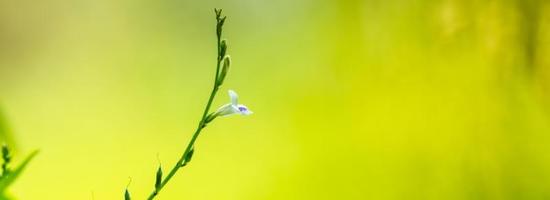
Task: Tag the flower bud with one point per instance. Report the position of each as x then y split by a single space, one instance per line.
219 26
188 156
158 179
127 195
223 48
226 63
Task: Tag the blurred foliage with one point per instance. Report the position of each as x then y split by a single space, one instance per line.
10 175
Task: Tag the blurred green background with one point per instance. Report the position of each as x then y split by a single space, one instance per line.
371 99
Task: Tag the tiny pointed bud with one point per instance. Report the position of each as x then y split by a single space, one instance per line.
158 179
127 195
225 68
218 12
222 21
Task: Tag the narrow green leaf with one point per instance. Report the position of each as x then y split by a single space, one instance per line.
14 174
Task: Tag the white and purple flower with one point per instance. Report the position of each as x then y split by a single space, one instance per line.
232 108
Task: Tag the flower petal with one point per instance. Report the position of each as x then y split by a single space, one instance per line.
227 109
234 97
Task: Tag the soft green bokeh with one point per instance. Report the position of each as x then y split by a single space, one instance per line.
440 99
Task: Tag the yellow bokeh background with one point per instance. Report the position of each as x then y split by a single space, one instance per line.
353 99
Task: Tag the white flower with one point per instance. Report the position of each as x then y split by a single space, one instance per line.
234 107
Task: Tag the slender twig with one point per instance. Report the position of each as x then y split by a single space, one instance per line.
185 157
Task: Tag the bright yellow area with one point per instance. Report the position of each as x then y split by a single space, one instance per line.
441 99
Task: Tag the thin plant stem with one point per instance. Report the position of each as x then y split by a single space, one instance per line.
203 122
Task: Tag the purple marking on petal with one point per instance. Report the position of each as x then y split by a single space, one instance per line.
243 109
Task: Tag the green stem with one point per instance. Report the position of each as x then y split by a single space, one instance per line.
181 161
202 124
